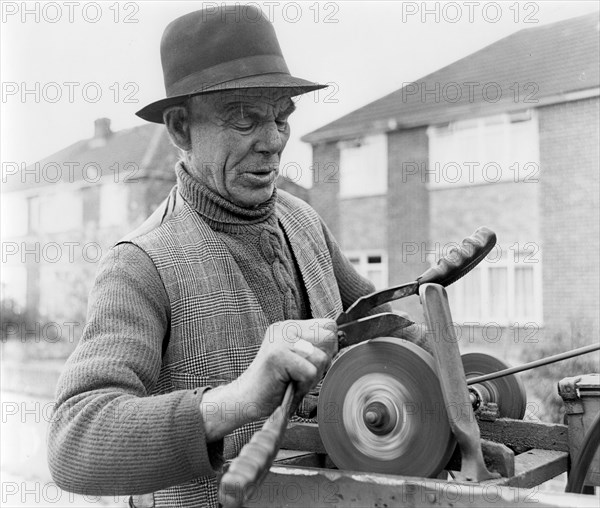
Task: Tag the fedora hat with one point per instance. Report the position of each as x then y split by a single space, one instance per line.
221 48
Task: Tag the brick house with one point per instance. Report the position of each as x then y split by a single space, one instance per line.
62 213
506 137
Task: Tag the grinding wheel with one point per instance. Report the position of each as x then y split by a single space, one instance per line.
381 410
508 391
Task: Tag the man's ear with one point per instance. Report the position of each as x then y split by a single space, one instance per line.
176 119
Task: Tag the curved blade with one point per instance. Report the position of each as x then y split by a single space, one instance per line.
370 327
365 303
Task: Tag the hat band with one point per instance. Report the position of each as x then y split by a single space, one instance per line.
228 71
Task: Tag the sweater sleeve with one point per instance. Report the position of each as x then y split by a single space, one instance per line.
351 284
107 435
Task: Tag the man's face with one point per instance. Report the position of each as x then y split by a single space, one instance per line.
237 139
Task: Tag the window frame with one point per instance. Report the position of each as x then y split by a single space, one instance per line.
354 174
33 214
513 169
363 265
108 215
512 260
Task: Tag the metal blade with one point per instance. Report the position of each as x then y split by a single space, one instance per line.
370 327
366 303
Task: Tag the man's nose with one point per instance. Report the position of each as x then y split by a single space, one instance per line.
270 140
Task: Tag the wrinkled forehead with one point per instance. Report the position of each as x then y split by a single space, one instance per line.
259 99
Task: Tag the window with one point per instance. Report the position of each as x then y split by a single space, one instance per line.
33 214
484 150
91 204
14 283
60 211
48 287
14 215
114 204
506 289
363 166
372 265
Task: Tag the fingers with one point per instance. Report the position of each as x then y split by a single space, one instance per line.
306 372
303 348
322 333
313 341
315 356
298 351
302 371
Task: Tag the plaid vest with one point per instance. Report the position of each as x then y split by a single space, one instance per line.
217 324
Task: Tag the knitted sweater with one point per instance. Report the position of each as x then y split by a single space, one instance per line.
108 436
258 244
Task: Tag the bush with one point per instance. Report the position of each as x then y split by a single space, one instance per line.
542 382
27 336
13 317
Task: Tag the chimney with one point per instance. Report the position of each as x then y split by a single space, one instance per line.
102 128
101 132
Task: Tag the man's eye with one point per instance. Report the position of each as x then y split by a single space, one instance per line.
281 125
244 125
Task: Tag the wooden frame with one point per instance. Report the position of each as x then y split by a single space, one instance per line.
303 475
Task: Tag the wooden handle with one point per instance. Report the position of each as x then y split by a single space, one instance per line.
460 261
248 469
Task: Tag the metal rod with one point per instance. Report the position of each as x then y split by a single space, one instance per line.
544 361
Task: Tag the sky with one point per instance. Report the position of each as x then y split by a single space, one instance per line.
65 64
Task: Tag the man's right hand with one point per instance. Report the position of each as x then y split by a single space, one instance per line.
291 351
281 360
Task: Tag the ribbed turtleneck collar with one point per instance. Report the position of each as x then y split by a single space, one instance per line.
220 214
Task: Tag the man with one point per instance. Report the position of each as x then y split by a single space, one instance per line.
199 320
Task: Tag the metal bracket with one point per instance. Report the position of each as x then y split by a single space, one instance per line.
442 339
567 389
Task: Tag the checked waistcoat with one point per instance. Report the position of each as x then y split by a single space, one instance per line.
217 324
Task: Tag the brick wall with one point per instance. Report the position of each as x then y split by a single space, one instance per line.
510 209
363 223
407 210
324 194
570 214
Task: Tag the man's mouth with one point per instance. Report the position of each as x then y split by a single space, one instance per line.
262 175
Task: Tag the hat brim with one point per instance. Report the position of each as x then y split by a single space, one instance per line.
296 86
